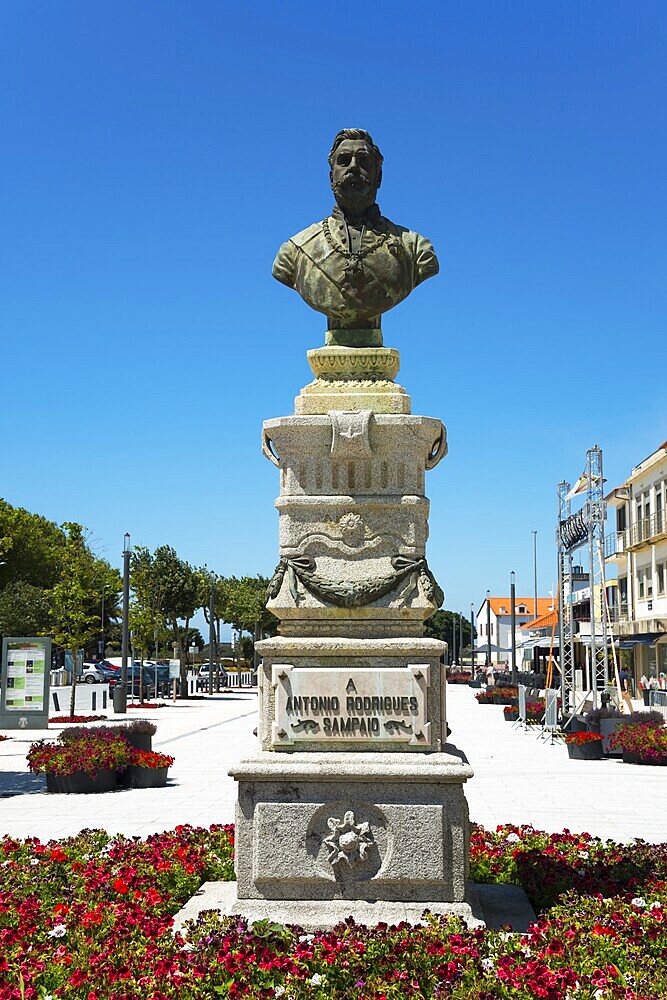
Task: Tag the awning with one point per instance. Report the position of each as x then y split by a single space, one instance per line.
645 639
481 650
541 640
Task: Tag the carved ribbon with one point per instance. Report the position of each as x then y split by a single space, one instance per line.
355 593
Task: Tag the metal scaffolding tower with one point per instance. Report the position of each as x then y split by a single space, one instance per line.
586 526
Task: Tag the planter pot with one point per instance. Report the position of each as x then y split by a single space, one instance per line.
635 758
585 751
82 783
511 716
607 727
140 741
145 777
474 684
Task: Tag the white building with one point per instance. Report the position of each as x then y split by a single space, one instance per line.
638 547
498 620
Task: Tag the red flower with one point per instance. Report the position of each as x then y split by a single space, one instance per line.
120 886
57 854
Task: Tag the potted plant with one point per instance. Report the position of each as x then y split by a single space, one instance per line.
606 720
511 713
86 764
584 746
138 733
643 743
147 769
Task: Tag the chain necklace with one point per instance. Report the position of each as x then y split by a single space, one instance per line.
354 267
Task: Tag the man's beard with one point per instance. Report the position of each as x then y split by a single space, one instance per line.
354 188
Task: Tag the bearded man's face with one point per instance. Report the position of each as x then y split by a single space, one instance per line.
354 175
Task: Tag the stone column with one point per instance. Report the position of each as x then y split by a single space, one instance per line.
353 804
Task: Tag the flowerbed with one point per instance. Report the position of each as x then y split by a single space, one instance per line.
147 704
88 754
647 740
580 738
60 720
89 918
497 696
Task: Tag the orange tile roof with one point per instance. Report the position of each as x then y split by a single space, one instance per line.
544 621
544 605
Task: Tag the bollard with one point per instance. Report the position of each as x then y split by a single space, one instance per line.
104 699
93 700
56 703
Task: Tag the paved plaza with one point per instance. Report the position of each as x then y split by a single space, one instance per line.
518 778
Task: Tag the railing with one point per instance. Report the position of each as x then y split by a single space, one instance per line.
647 528
615 544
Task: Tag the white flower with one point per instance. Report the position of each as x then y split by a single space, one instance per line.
60 930
583 854
306 938
638 901
279 990
526 951
655 905
317 979
34 861
487 964
513 838
599 994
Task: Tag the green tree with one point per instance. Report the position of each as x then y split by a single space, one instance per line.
24 610
31 547
76 597
442 624
180 600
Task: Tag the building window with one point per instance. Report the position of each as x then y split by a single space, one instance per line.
522 609
645 580
660 574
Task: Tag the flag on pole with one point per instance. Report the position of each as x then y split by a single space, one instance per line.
579 486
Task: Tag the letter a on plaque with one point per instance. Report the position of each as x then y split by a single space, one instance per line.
350 687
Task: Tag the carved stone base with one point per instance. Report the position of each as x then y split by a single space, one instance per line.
353 826
315 914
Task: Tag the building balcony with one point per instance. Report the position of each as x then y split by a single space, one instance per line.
646 531
616 546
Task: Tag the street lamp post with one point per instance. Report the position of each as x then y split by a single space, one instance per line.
488 628
472 641
452 659
120 705
461 638
513 624
211 631
535 572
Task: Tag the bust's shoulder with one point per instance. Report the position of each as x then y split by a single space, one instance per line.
306 235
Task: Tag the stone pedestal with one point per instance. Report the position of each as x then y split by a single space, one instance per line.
360 826
352 801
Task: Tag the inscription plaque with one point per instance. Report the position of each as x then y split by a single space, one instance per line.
325 705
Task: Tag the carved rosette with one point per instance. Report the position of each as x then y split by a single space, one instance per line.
349 842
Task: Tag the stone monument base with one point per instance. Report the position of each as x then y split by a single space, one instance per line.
316 914
352 828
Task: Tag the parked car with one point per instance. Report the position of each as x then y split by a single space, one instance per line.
203 676
91 674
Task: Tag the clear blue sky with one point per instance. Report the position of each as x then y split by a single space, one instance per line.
156 154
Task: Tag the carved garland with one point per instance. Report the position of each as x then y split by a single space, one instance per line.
355 593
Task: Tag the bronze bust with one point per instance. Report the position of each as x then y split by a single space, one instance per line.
356 264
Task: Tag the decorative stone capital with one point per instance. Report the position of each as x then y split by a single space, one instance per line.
354 363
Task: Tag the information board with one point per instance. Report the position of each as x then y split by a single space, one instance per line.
24 692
